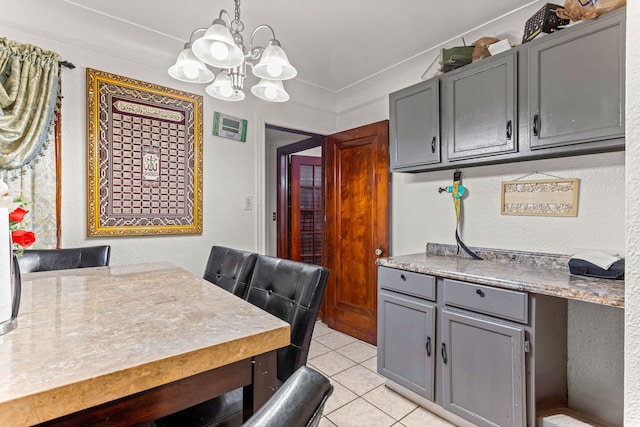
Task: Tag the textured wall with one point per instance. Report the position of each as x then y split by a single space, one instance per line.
632 291
421 214
596 359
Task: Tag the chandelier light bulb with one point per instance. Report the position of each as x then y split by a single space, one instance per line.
190 70
270 93
274 70
219 51
274 64
270 90
226 90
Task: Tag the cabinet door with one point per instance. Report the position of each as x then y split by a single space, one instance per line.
577 84
414 126
481 109
406 342
484 369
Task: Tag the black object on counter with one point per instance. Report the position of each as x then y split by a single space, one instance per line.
581 267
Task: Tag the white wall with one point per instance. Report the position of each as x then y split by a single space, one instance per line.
231 170
632 224
420 214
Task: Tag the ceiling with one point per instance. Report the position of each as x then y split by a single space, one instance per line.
333 43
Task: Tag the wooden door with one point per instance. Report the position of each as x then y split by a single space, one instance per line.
306 209
357 180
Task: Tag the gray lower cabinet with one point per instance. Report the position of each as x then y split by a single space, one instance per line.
414 126
407 328
577 84
484 375
490 355
481 108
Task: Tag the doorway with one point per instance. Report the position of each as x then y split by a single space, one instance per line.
283 145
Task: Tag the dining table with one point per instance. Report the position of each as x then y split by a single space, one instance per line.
127 344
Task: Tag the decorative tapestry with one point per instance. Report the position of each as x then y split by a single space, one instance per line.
144 158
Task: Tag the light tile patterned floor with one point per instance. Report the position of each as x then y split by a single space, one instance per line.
360 398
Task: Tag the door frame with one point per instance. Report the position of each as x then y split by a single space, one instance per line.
260 178
283 183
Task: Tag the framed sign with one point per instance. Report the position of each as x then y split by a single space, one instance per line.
230 127
549 197
144 158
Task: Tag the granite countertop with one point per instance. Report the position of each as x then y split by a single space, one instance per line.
546 274
92 335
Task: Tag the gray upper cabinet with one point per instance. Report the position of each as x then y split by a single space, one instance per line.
481 108
577 84
414 127
559 95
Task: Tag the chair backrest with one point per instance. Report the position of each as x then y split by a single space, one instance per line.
297 403
33 260
230 269
292 291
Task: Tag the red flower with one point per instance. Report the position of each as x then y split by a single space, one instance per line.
17 215
23 238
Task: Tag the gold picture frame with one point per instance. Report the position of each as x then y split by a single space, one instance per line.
548 197
144 158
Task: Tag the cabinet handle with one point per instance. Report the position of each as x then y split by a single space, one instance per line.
479 292
433 144
403 277
444 353
536 125
509 129
428 346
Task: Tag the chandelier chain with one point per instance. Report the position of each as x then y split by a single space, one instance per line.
237 25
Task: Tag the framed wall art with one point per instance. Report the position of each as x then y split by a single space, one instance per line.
144 158
548 197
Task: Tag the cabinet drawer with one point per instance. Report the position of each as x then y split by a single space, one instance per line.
407 282
511 305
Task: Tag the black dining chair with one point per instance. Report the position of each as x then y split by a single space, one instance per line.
298 403
34 260
287 289
230 269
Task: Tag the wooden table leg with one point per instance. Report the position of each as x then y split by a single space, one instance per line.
263 385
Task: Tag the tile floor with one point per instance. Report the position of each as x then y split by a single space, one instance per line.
360 398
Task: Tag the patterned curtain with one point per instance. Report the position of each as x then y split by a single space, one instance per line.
29 96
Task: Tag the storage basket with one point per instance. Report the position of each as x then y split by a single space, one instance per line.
456 57
543 21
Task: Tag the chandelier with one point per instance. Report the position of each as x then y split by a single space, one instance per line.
222 46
